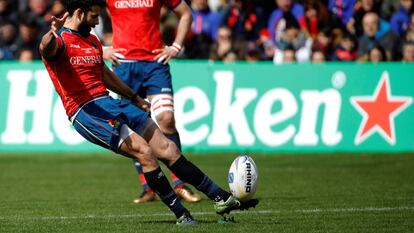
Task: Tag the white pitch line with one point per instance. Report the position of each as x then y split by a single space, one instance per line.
304 211
366 209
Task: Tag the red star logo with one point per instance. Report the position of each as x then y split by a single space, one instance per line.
379 111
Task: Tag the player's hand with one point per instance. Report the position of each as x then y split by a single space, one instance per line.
167 53
57 23
113 55
142 104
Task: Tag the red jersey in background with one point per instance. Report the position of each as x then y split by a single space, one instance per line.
136 26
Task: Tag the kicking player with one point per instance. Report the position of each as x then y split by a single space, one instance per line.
73 59
141 61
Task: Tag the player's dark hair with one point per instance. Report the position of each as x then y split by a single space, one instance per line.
85 5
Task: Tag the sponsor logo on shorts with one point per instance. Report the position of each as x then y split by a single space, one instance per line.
113 123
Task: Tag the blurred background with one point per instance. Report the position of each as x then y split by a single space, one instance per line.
282 31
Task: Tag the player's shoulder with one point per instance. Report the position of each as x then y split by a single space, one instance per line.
66 35
64 32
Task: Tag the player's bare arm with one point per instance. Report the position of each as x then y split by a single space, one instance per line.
115 84
113 55
48 45
110 53
183 11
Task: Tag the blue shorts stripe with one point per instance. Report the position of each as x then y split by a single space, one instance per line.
90 133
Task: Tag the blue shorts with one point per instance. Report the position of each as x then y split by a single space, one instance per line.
100 121
145 77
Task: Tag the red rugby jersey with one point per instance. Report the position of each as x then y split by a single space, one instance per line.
136 26
76 70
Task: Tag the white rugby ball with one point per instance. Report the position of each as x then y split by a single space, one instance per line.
243 177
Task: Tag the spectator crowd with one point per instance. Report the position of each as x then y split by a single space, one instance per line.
282 31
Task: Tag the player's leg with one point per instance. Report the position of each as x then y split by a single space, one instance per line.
137 147
105 122
162 108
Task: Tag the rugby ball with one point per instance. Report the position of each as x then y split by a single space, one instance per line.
243 177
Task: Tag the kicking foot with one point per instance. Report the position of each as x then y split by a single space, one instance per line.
224 207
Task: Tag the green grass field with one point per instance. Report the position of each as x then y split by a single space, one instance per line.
298 193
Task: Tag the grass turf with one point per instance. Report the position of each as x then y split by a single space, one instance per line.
298 193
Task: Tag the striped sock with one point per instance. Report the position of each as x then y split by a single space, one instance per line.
141 176
177 183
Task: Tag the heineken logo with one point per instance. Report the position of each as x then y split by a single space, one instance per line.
339 110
